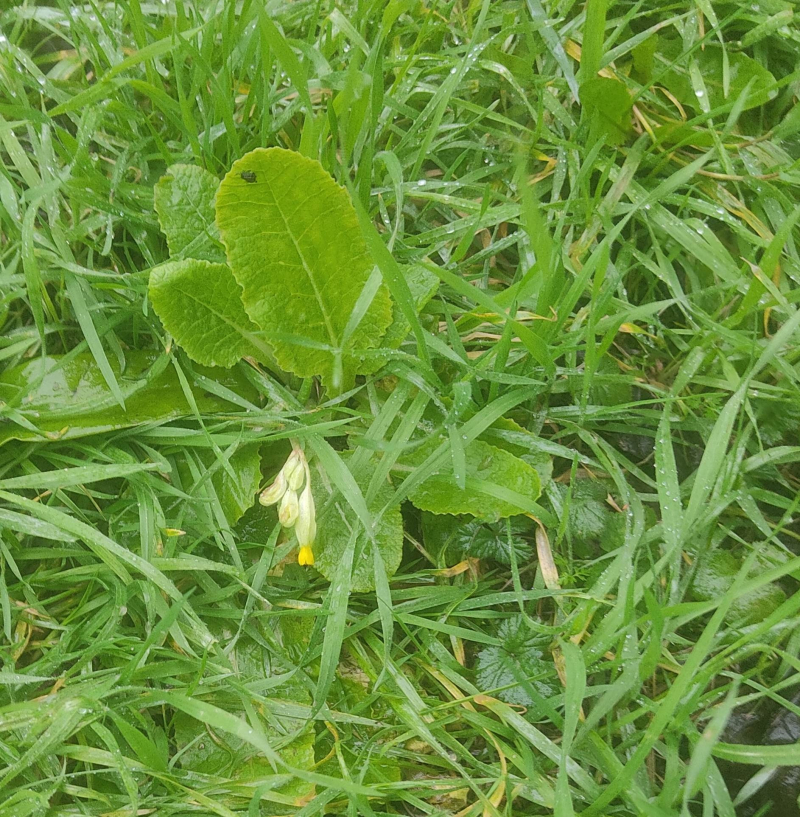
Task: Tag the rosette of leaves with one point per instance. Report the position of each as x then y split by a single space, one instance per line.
271 264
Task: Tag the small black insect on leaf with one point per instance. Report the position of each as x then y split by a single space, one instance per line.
249 176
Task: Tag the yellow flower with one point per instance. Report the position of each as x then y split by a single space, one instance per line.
306 556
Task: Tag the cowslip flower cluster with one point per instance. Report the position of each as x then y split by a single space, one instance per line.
296 509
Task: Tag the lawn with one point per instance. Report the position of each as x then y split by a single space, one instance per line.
399 408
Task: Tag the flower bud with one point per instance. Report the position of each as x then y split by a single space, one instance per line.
306 529
288 510
293 463
306 556
296 477
273 493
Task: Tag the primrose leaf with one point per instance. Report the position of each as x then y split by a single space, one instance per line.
519 663
184 201
335 525
295 247
200 305
65 397
488 468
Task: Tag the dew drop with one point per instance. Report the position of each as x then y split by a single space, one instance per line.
421 183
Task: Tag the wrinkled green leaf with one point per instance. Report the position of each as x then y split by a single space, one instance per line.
200 305
295 247
519 663
485 466
70 398
743 70
334 527
184 201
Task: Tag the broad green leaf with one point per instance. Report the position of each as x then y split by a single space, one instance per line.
214 485
485 465
238 495
481 540
184 201
519 664
608 386
227 754
64 398
509 435
200 305
295 247
334 526
644 58
608 106
423 285
743 70
591 521
779 421
715 576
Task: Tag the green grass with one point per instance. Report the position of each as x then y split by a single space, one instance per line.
618 305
